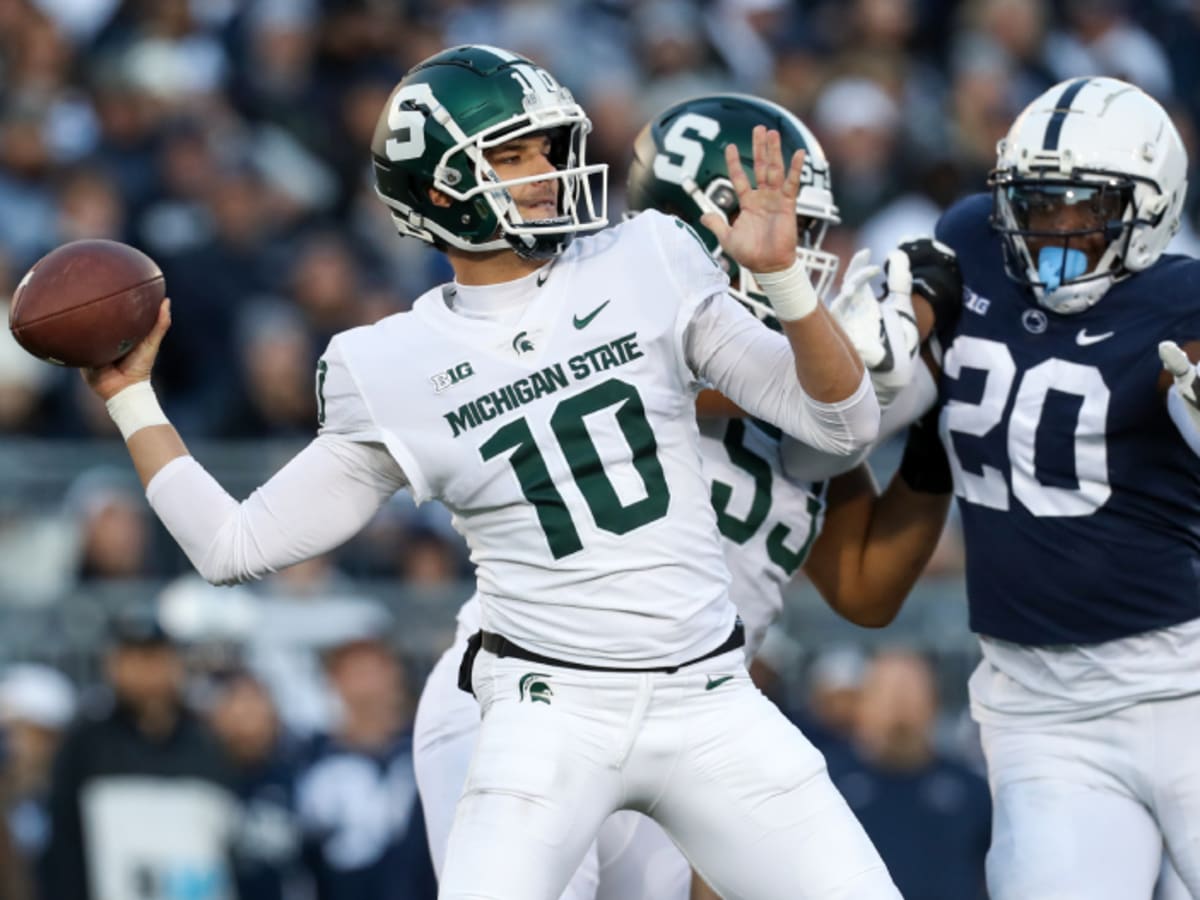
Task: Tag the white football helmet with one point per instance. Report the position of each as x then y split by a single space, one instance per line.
1092 164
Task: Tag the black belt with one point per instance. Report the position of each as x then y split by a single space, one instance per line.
503 647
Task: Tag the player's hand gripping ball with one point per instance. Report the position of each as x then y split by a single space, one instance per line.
87 303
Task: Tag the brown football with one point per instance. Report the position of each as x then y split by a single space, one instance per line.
86 303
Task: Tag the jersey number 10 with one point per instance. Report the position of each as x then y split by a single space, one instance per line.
577 446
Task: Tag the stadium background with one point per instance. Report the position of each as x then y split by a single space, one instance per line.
228 139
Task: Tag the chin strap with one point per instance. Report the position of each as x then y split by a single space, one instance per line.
1183 403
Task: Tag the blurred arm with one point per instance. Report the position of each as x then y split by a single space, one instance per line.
758 371
872 548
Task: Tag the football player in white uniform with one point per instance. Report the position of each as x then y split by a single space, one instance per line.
546 397
767 518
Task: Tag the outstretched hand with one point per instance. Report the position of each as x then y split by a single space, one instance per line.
134 366
763 236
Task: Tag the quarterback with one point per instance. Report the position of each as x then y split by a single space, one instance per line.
768 519
546 398
1073 457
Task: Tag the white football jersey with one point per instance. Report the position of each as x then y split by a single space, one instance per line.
565 444
767 520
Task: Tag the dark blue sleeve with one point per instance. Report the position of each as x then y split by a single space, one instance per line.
966 224
1181 277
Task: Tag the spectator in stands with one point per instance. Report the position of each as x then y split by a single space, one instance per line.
429 558
36 705
929 816
24 381
140 804
266 841
115 539
357 792
276 356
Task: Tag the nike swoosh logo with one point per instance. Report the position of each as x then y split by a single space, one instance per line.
542 276
587 320
1083 339
717 682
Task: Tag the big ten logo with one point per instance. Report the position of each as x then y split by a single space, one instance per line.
975 303
452 376
180 881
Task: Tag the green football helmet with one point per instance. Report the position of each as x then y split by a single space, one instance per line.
433 133
679 168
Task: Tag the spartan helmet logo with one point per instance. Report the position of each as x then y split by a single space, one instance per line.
522 344
535 688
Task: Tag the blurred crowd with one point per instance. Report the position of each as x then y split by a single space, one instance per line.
229 140
180 776
264 755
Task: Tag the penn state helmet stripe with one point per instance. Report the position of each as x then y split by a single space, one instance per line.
1061 108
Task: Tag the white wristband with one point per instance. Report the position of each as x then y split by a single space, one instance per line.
135 408
791 292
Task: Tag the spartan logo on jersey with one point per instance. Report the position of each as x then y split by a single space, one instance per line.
451 377
534 688
522 344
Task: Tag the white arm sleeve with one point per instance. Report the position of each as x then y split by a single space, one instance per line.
753 366
804 464
320 499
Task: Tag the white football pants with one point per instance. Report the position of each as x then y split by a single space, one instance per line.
632 858
1083 810
737 787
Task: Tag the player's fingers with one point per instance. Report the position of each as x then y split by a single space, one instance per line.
737 174
163 322
776 165
899 273
791 184
860 259
760 155
154 338
862 276
1173 358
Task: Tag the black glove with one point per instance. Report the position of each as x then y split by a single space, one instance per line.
925 467
936 277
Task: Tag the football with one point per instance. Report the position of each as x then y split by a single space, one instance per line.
86 303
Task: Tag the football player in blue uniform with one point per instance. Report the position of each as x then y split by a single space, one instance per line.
1073 458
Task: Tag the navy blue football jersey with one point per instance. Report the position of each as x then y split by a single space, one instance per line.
1080 501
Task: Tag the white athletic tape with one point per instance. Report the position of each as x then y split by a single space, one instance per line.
134 408
791 292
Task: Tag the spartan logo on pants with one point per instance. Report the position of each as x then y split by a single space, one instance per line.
534 688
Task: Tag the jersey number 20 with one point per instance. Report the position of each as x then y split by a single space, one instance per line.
987 487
